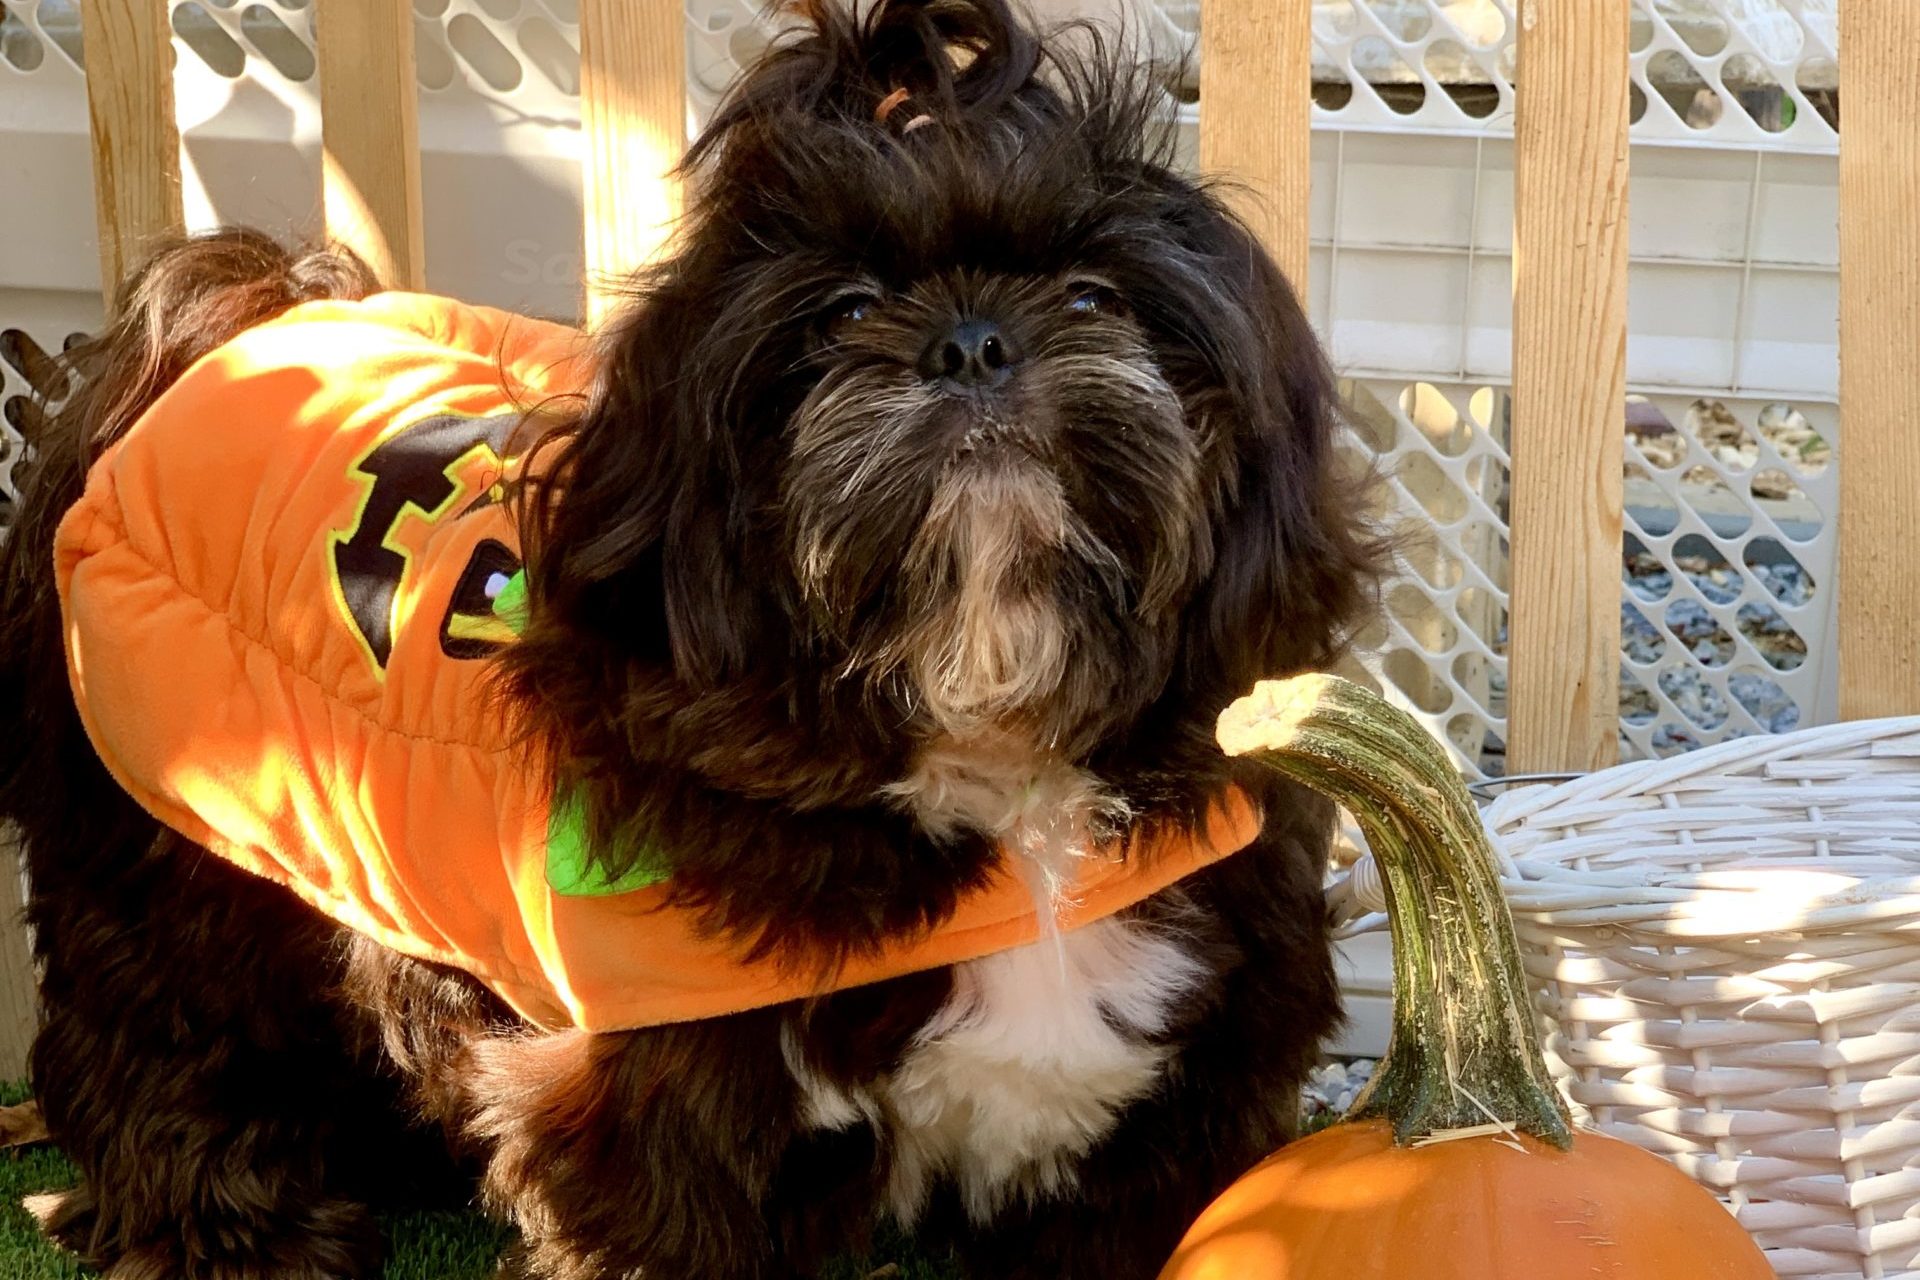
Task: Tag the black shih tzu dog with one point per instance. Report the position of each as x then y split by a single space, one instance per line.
934 496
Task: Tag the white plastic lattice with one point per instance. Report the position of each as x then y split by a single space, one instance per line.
14 407
1726 72
1733 303
29 371
1440 644
1725 567
1728 570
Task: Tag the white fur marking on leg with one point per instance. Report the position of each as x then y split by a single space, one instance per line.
824 1105
1031 1062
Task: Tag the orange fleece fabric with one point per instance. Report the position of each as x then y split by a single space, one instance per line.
276 598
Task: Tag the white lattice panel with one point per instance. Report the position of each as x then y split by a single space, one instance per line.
1725 569
1728 568
28 368
1440 646
14 407
1724 72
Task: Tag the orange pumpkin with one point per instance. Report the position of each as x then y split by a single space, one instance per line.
1458 1162
1351 1203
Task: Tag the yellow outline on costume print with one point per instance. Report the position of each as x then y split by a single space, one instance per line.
367 482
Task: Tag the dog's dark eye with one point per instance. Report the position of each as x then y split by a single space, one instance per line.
1089 298
847 312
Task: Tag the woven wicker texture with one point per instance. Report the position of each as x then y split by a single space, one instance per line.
1725 948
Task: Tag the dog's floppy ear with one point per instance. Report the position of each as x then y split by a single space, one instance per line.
1295 560
634 534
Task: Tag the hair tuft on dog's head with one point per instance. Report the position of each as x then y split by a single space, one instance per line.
952 59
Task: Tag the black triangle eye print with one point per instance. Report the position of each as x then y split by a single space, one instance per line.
415 468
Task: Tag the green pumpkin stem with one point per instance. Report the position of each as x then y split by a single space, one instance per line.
1463 1051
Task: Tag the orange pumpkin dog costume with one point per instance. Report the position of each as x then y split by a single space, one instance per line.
279 592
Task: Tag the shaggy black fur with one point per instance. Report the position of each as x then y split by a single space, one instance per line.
751 566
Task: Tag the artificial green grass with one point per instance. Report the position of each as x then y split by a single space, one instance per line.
423 1246
24 1171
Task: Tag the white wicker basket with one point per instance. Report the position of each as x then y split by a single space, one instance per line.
1725 947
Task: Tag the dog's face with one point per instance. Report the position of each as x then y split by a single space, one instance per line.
992 494
957 402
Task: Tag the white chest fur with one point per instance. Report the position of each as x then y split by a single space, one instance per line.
1044 811
1026 1067
1030 1062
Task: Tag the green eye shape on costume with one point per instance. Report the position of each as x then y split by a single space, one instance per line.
510 606
571 874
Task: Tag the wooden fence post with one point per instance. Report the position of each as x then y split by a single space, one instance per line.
369 130
1569 383
1256 116
136 143
633 111
1879 454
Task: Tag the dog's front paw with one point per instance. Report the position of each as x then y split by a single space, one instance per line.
65 1216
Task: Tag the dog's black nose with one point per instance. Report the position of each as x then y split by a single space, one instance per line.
977 353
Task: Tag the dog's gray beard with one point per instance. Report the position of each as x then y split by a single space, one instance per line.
992 639
986 639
